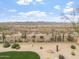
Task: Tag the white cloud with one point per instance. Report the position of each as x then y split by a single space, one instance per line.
57 7
39 0
68 7
69 4
67 10
12 10
24 2
27 2
50 13
33 13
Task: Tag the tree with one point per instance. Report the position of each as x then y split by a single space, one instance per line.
51 39
77 10
3 37
53 35
24 36
63 36
59 37
33 38
70 38
6 44
73 18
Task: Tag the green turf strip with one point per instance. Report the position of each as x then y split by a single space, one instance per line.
19 55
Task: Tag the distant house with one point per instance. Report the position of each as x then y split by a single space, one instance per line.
36 36
40 37
1 39
13 37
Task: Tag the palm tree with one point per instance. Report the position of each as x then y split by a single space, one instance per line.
55 36
63 36
33 38
24 36
52 38
3 37
59 38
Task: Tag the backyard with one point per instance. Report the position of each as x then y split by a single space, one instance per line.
44 50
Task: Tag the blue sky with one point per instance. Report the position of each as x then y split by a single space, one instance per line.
35 10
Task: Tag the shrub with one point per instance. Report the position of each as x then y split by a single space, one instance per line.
59 38
41 47
6 45
70 38
51 39
73 53
33 40
57 48
18 47
61 57
15 46
73 46
20 41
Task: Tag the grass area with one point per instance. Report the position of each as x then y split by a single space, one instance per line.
19 55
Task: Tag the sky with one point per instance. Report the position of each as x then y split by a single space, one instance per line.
35 10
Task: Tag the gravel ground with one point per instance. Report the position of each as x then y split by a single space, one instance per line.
48 51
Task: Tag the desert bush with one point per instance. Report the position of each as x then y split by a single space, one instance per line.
59 38
33 40
73 53
70 38
73 46
61 57
20 40
41 47
15 46
6 45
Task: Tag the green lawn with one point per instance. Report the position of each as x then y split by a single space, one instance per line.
19 55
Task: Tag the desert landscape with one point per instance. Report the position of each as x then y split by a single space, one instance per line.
49 40
39 29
